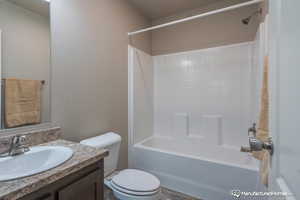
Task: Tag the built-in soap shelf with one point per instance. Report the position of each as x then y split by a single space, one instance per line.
206 126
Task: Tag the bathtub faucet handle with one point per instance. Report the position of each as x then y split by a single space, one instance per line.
256 144
252 130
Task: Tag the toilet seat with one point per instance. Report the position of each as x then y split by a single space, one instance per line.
133 193
135 182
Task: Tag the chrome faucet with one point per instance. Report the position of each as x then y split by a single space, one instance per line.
259 145
256 144
18 145
252 130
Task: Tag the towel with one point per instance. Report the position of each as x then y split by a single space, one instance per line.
263 126
22 102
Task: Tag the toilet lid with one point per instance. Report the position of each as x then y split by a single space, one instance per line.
136 180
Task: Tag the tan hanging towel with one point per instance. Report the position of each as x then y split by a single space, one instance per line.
22 102
263 126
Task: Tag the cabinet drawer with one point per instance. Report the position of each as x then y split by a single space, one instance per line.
87 188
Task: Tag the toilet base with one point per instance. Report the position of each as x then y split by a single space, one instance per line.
123 196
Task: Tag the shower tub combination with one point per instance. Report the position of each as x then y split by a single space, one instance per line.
188 116
196 168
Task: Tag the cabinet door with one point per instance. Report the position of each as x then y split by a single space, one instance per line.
87 188
47 196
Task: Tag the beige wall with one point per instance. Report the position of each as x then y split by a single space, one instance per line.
216 30
89 47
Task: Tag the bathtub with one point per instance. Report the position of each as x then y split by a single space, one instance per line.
193 167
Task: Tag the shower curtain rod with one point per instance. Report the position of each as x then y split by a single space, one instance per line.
196 16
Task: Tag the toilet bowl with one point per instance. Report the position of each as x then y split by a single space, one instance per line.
132 184
128 184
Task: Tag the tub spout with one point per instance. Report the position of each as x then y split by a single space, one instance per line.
246 149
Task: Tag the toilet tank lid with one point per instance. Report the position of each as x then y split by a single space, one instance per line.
102 141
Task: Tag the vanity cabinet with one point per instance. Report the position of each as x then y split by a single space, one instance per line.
85 188
86 184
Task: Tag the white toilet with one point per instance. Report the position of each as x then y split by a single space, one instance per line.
128 184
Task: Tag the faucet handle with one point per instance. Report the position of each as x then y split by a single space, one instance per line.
258 145
255 144
252 130
23 140
19 140
269 145
19 145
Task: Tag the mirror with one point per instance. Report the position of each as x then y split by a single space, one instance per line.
25 62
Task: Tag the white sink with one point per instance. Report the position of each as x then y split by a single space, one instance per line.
37 160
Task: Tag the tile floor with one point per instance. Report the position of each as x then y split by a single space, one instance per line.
166 195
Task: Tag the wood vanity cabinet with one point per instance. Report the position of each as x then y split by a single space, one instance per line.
86 184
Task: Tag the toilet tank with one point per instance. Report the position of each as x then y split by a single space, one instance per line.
110 141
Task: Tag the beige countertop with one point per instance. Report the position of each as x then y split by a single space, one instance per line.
83 156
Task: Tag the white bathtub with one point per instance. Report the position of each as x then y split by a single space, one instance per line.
192 167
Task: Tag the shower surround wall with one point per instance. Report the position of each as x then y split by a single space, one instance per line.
141 68
192 110
204 94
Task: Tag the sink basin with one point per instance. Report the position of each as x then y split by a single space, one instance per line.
37 160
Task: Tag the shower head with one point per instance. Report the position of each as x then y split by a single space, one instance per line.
247 20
